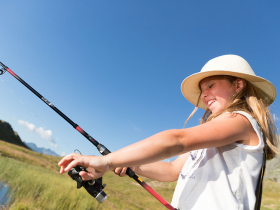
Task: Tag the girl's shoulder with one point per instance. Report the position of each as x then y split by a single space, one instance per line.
225 129
249 119
259 143
242 114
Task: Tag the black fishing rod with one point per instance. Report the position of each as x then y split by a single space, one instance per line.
97 193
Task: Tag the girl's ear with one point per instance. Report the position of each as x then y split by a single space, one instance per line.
239 84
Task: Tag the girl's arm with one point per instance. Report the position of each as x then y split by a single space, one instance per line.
223 130
159 171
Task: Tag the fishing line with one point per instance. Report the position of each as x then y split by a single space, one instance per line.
101 148
28 109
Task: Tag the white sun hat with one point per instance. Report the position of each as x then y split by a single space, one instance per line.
232 65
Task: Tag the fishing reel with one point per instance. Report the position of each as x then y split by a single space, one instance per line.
93 187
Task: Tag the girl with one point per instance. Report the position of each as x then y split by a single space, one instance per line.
221 160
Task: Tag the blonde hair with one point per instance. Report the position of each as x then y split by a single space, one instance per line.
249 100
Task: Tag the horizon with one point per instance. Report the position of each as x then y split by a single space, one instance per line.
115 67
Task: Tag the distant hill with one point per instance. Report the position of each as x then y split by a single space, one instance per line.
41 150
9 135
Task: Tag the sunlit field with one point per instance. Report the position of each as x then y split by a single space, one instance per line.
35 183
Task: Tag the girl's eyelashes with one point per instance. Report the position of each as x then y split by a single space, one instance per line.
211 85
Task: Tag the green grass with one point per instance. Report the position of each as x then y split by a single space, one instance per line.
36 184
34 187
271 196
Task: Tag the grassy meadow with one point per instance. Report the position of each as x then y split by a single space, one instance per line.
36 184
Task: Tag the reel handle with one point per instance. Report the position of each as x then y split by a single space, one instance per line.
93 187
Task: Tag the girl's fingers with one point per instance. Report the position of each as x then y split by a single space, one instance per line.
78 161
61 170
117 170
86 176
69 162
121 171
68 158
64 162
96 166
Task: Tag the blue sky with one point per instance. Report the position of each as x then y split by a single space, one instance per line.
115 67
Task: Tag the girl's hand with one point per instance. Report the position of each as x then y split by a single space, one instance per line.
96 166
121 171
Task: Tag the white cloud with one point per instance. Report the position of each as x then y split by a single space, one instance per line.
45 134
27 125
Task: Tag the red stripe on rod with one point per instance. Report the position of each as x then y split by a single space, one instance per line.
85 134
11 72
78 128
157 196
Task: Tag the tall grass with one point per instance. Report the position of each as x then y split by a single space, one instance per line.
271 196
36 184
34 187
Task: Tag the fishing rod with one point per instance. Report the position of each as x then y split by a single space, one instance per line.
90 186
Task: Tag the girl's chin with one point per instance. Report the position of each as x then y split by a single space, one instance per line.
215 110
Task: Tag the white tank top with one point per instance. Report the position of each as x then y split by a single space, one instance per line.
221 178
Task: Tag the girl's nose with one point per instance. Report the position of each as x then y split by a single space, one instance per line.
203 94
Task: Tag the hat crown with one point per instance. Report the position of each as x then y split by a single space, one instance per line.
233 63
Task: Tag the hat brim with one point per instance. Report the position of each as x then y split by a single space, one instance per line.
191 90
